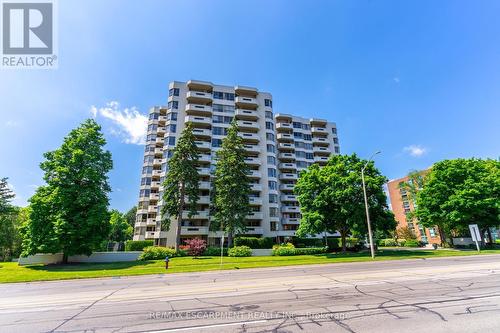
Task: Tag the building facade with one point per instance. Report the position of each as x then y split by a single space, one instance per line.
402 204
277 147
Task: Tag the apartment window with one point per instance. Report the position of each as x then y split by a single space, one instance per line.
272 185
218 95
144 193
223 108
309 156
274 212
307 137
168 153
148 159
152 127
270 136
268 102
173 105
172 128
271 148
147 170
271 172
151 137
271 160
300 154
298 135
297 125
170 140
334 130
216 143
153 116
269 125
308 146
173 92
337 150
172 116
273 198
273 226
219 130
306 126
269 115
335 140
146 181
229 96
221 119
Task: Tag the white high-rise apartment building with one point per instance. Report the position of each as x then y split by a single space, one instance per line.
278 147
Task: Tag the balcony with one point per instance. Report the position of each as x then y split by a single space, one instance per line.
202 200
199 85
157 173
249 91
194 230
287 166
254 174
155 184
318 122
288 176
252 161
254 230
204 185
320 141
198 109
288 198
203 145
249 137
285 137
255 216
290 209
286 156
158 161
290 220
140 224
202 133
154 196
321 150
286 146
200 215
246 114
199 121
204 171
159 140
151 221
204 158
255 201
286 233
319 131
255 187
284 127
150 234
198 96
152 209
245 102
321 159
158 151
142 211
248 125
252 148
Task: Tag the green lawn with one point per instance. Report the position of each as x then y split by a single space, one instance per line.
11 272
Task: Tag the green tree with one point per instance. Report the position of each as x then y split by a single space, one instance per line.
231 186
69 214
180 182
10 220
331 198
120 229
6 195
460 192
130 216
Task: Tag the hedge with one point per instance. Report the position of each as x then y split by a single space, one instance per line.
254 242
308 242
296 251
412 243
336 243
240 251
158 252
137 245
214 251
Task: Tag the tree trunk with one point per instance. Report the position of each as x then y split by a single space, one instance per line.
179 217
343 233
490 237
442 236
229 239
65 258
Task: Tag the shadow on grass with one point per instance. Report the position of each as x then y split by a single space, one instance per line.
76 267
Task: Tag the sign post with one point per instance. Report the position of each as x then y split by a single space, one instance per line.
475 234
221 249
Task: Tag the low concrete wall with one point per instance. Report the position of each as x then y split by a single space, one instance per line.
262 252
463 241
96 257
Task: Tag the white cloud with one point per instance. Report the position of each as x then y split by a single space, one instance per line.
415 150
130 124
11 123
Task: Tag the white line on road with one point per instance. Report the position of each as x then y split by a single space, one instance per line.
207 326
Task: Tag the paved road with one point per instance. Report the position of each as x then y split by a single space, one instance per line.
460 294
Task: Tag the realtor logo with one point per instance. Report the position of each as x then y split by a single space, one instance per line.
28 39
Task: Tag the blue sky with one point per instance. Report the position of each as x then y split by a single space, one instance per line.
419 80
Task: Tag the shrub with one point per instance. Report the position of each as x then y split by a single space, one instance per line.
240 251
137 245
497 241
292 251
390 242
157 253
336 243
308 242
411 243
254 242
401 242
214 252
196 246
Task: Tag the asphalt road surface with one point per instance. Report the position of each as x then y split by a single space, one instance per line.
460 294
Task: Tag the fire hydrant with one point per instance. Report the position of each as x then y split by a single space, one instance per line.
166 262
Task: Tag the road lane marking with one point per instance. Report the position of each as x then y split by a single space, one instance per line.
207 326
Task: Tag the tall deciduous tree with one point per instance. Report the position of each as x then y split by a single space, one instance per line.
120 229
458 193
130 216
70 213
231 186
331 198
181 182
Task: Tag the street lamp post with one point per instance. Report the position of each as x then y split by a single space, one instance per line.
370 237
